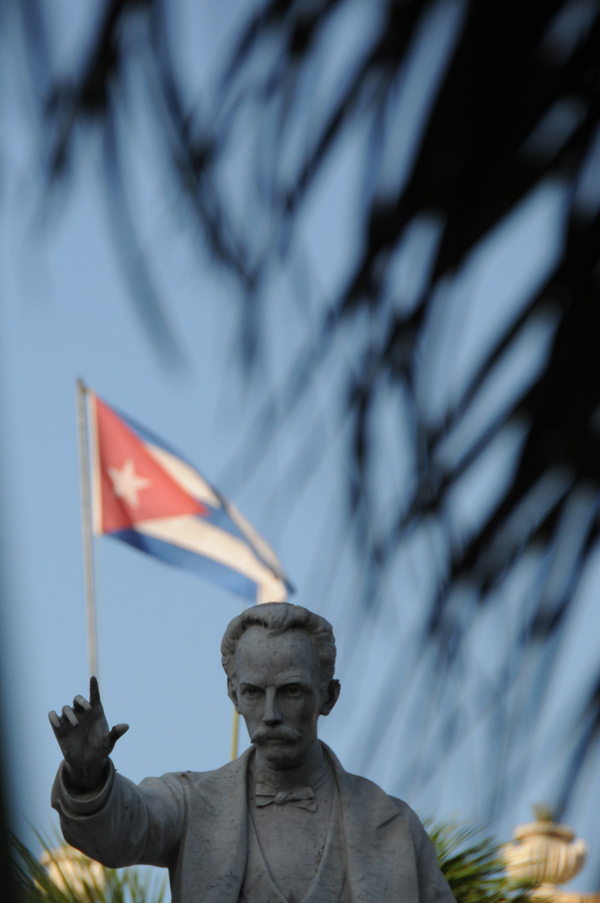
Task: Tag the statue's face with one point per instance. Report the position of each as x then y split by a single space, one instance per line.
279 691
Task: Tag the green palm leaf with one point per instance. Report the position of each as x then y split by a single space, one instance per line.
473 866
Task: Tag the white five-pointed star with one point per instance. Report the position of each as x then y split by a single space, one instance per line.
126 482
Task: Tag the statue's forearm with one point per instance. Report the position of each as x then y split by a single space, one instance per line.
119 823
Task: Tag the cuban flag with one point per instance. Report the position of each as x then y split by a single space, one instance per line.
144 493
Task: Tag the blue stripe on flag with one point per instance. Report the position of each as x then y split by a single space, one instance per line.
191 561
218 517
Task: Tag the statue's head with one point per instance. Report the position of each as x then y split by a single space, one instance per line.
279 660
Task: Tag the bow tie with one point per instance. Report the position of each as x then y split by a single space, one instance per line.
302 797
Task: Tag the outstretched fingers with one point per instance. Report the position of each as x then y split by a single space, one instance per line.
60 722
82 731
80 707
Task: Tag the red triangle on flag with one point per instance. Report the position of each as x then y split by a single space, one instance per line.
132 484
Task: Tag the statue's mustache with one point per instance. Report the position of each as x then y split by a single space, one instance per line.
286 734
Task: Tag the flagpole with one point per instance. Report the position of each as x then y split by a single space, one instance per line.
235 734
86 529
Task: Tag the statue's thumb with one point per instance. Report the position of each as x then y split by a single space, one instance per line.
117 732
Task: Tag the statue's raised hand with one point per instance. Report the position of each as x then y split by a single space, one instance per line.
85 739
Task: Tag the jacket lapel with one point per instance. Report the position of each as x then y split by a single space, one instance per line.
216 843
380 857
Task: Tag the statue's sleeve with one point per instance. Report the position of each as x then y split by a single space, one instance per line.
433 887
123 823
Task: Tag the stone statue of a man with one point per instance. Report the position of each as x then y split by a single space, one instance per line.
284 823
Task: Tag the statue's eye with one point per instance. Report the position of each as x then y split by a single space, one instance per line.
252 692
293 690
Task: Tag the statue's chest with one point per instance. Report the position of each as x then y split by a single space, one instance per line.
295 855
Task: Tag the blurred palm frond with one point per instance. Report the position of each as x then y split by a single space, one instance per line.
473 866
64 875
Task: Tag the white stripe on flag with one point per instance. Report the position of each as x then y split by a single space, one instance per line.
188 478
255 539
196 535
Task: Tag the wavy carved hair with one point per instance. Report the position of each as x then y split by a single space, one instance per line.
277 617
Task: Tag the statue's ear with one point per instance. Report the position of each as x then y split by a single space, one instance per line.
232 693
333 692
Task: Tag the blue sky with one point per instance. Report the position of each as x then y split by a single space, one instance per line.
66 312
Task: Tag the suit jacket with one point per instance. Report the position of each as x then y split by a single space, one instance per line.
196 825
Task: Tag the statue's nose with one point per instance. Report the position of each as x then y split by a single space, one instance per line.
271 713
